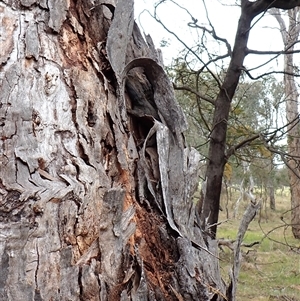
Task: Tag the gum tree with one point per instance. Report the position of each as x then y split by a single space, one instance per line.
217 155
95 178
290 35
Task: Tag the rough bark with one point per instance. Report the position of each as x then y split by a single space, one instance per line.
95 179
290 35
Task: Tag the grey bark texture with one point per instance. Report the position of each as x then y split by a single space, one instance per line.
96 183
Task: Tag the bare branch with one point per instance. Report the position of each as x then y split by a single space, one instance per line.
212 32
293 248
186 88
243 143
263 137
205 65
263 5
283 155
276 53
259 52
268 73
282 4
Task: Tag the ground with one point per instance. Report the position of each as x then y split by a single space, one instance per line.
270 270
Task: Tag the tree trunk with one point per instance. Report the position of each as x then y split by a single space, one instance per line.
271 186
289 36
272 197
95 179
216 154
292 114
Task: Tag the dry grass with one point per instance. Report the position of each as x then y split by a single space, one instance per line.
270 269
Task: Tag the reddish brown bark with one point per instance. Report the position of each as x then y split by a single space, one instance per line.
95 179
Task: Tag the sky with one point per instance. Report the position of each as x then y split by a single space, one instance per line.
263 36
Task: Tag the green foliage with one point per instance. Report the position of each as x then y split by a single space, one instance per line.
255 108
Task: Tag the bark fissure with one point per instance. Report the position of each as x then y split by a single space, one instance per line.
37 291
95 195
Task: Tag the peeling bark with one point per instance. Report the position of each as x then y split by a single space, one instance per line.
95 179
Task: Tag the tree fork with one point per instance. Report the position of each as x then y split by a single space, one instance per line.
216 155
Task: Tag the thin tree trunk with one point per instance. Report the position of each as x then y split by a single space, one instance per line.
289 37
272 197
240 198
216 155
228 197
95 180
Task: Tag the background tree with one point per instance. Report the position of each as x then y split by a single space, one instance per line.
290 35
218 155
255 109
